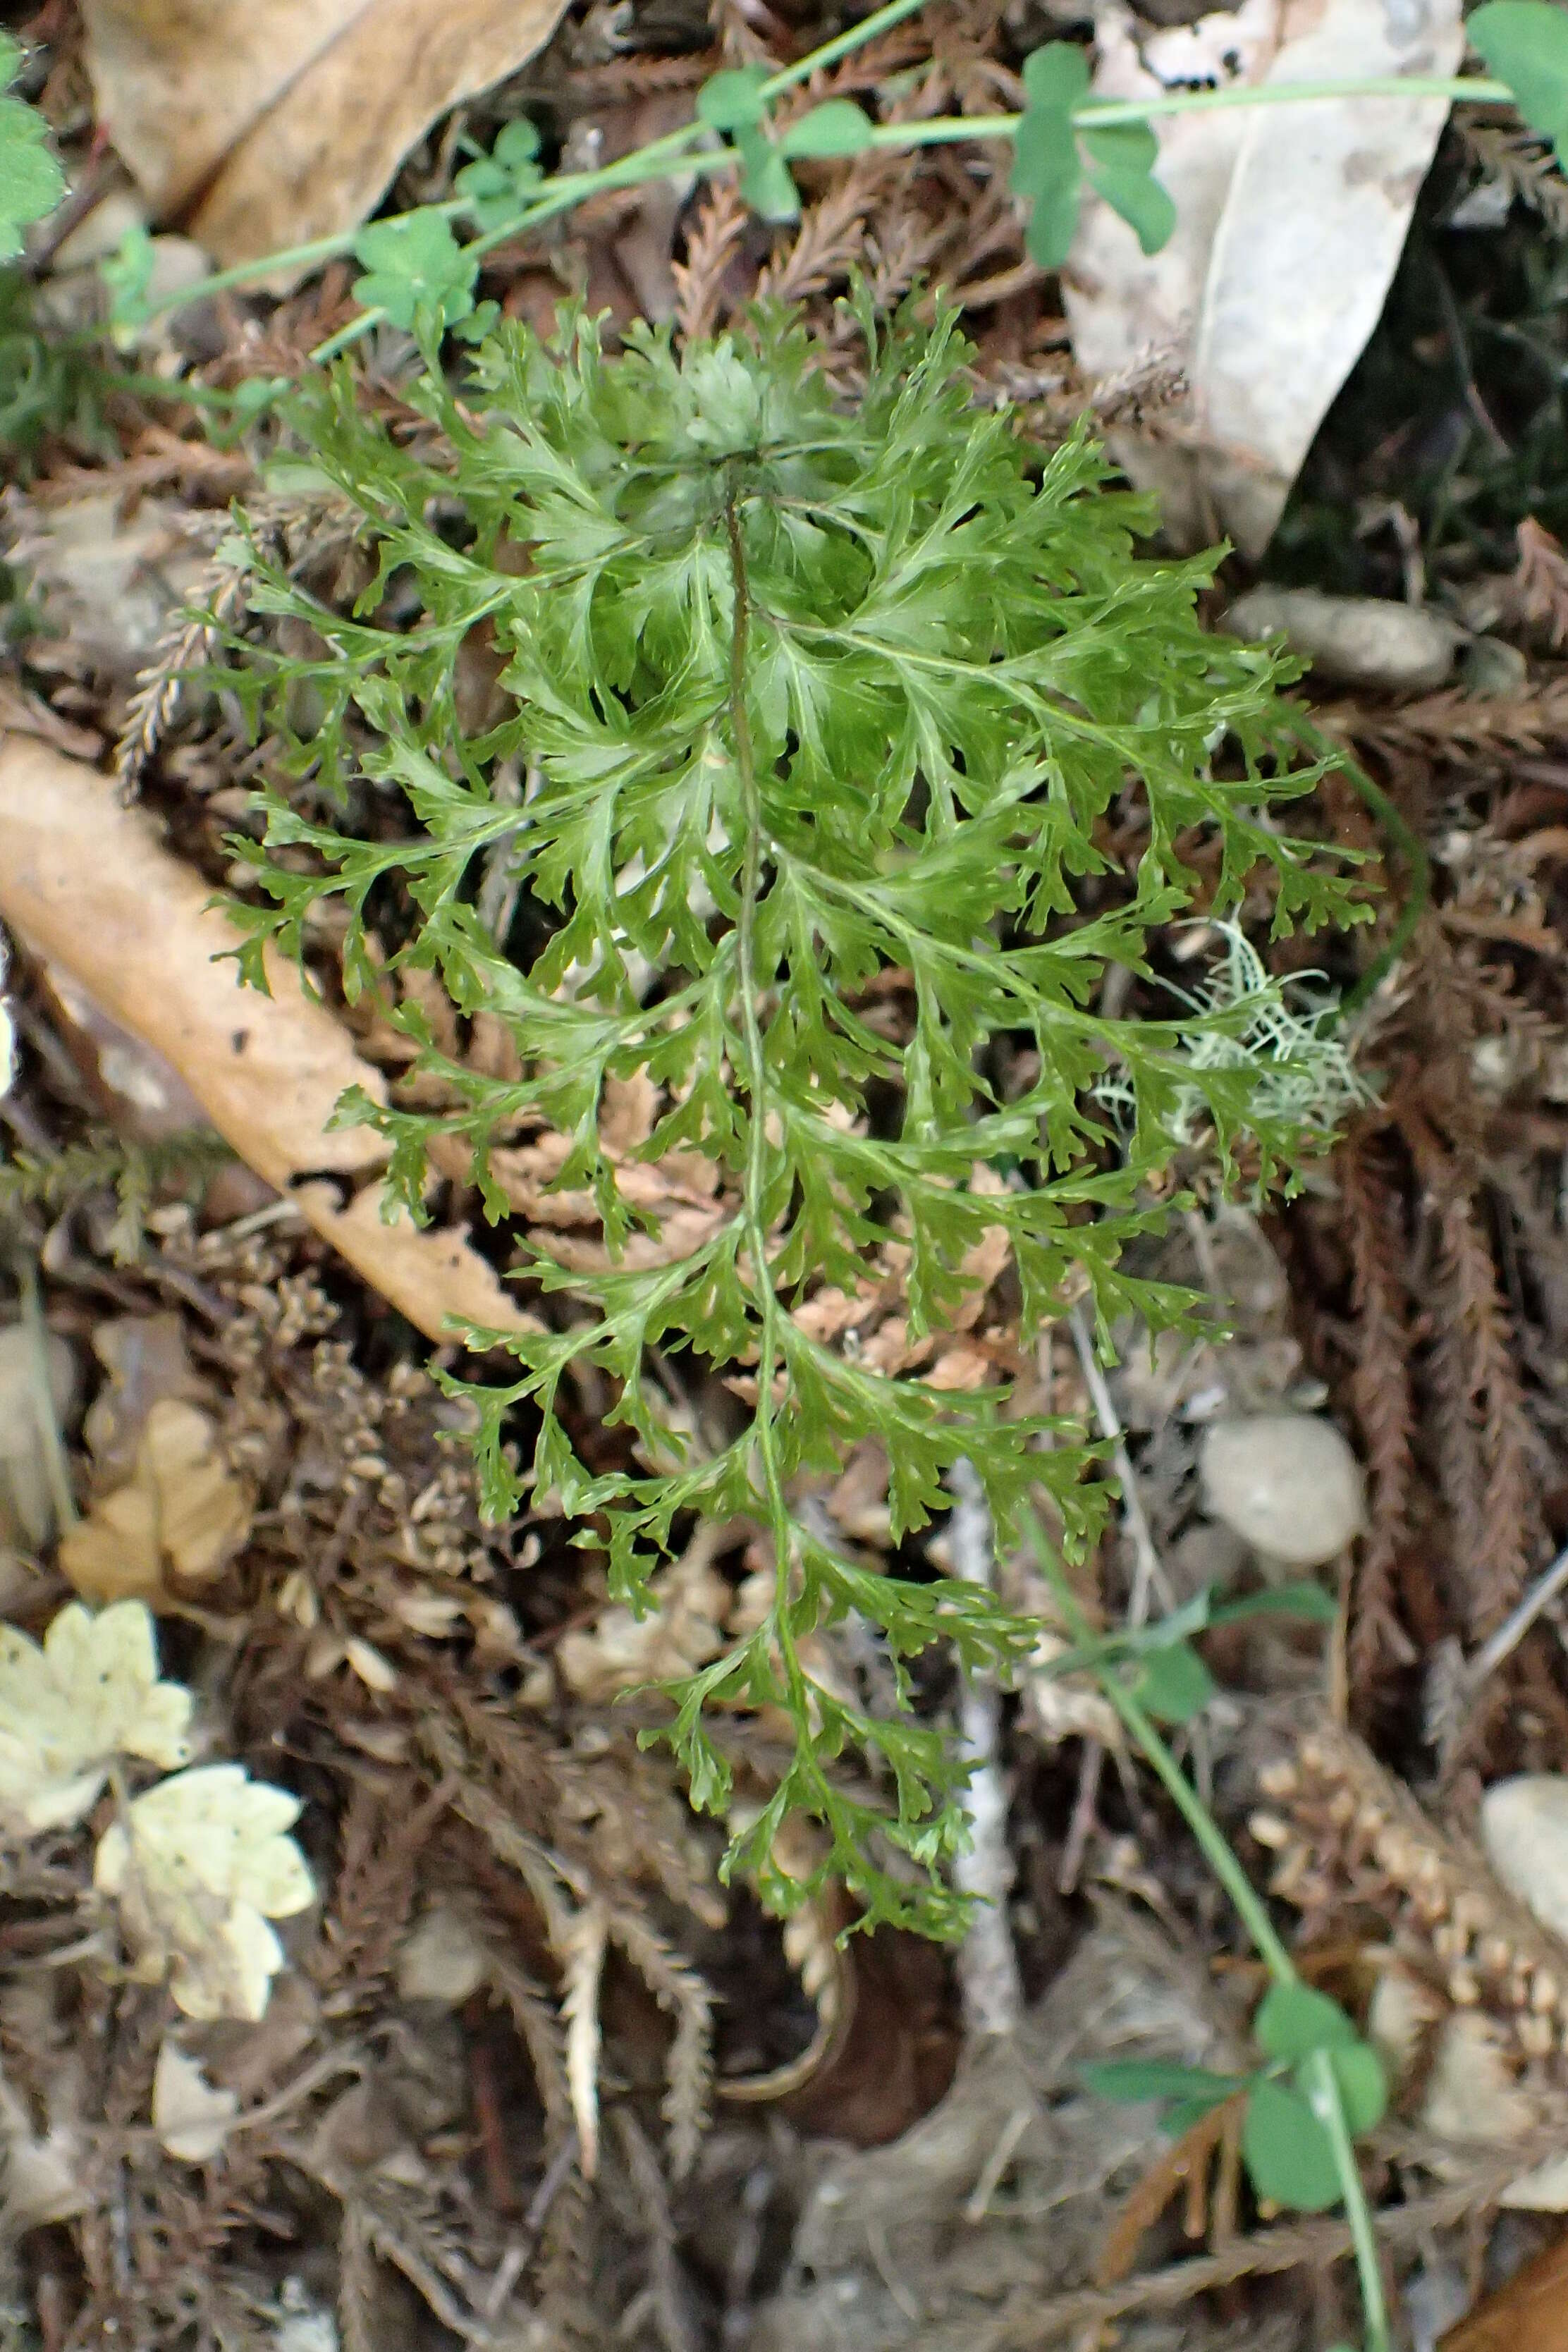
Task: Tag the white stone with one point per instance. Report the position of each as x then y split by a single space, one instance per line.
1358 640
441 1959
1524 1829
1286 1482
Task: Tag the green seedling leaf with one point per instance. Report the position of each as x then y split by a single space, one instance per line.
1131 2080
765 182
1120 161
127 273
1364 2085
1056 77
1525 43
837 127
499 185
1174 1685
1046 166
1293 2021
1287 2152
733 101
415 264
31 181
1308 1601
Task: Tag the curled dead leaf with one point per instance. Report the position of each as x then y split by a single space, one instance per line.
86 883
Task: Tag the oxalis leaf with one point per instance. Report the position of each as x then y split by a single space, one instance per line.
415 264
1525 43
31 181
1049 166
811 691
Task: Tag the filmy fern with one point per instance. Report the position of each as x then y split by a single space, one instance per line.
806 694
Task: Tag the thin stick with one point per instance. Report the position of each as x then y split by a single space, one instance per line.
991 1988
1518 1622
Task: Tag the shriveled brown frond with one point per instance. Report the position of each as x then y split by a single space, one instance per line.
1541 581
1385 1406
1486 1455
384 1835
538 2026
685 1994
700 298
671 2314
1464 729
1525 165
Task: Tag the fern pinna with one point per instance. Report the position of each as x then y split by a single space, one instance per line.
806 691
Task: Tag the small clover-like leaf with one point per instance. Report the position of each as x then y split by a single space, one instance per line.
1046 166
1363 2085
31 181
1525 43
415 264
1129 2079
765 181
837 127
1121 158
1174 1683
1288 2153
1056 77
1293 2021
496 187
733 100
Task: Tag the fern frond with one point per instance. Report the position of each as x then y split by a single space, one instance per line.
804 694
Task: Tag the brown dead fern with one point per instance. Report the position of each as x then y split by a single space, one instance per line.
1384 1405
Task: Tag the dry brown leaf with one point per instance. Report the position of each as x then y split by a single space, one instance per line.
1529 2314
183 1509
264 123
86 883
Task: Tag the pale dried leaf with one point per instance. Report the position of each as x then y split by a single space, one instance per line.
41 2174
183 1509
67 1710
85 881
1290 221
198 1866
285 120
190 2115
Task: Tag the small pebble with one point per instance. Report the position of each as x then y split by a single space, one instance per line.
1359 640
1286 1483
1524 1829
441 1959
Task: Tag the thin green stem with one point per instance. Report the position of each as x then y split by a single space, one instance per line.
842 44
1457 91
1211 1838
1329 2107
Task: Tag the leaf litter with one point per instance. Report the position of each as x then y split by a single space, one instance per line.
461 1706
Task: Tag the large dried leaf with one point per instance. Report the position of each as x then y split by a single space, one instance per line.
264 123
85 882
1290 221
183 1509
